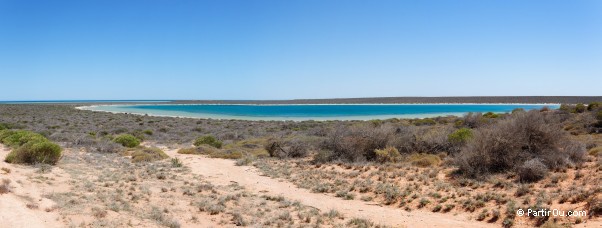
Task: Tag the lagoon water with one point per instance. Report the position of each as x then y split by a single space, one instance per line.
313 112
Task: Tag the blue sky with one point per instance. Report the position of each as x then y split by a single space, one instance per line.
298 49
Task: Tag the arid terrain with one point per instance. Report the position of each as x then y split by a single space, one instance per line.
120 170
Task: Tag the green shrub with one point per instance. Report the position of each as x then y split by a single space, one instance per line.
389 154
567 108
460 136
208 140
594 105
490 115
580 108
518 110
599 118
4 126
35 152
147 154
127 140
191 150
15 139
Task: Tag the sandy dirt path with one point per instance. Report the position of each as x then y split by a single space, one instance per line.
14 212
223 172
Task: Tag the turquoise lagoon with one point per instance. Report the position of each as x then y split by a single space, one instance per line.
312 112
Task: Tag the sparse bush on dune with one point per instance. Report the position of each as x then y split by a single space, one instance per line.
431 140
17 138
599 118
594 205
388 154
473 120
323 156
567 108
532 170
29 147
44 152
146 154
107 146
127 140
358 143
503 146
208 140
491 115
580 108
594 106
518 110
4 126
191 150
461 135
424 160
459 138
201 149
274 147
293 148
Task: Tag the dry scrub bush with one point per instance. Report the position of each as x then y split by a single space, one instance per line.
423 139
146 154
502 147
594 205
424 160
5 186
280 148
389 154
107 146
357 143
532 170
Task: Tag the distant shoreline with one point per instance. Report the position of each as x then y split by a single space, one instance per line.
552 100
415 100
131 109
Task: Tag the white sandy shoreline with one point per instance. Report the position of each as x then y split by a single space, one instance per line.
309 118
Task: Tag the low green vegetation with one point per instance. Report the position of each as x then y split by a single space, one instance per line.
424 160
127 140
491 115
29 147
460 136
580 108
389 154
208 140
146 154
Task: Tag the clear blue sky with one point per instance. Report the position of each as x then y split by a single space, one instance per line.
286 49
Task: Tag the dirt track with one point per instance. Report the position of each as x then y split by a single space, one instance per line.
223 172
